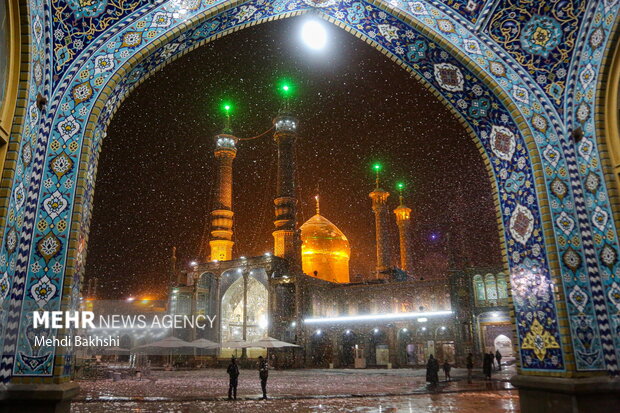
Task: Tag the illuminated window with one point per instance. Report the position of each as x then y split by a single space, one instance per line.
232 310
491 287
502 286
479 288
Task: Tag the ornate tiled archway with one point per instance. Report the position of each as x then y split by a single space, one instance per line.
522 86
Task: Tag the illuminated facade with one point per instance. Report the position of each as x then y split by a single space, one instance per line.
482 303
325 250
303 292
401 323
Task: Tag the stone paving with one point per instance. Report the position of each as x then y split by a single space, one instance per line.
300 390
467 402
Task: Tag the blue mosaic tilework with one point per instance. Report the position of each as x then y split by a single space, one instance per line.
18 228
77 23
602 246
51 190
469 9
541 36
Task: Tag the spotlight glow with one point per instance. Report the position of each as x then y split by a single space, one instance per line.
314 35
373 317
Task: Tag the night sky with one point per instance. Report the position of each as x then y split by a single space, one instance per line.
355 106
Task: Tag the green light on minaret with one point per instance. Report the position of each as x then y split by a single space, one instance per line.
400 186
227 108
285 88
377 168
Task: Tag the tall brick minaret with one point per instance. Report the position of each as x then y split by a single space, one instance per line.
379 206
220 242
403 221
285 236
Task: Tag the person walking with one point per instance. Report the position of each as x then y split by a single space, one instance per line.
233 375
263 373
274 361
487 365
446 370
469 363
498 357
432 370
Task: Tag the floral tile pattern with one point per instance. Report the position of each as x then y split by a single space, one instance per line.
541 36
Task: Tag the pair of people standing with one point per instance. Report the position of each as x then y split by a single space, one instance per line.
233 375
432 370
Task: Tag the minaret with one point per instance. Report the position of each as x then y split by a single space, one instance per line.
403 220
225 151
285 236
379 207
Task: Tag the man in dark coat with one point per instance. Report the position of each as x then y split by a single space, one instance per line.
487 365
233 375
470 366
263 373
498 357
432 370
446 370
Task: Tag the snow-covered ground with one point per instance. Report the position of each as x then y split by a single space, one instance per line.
469 402
299 390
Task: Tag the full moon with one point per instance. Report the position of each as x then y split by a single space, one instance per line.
313 35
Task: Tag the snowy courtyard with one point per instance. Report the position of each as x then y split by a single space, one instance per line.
300 390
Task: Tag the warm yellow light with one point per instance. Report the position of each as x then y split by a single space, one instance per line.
333 253
325 249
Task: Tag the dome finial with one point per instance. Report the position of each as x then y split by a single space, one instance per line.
318 209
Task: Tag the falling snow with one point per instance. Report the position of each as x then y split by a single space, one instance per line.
354 105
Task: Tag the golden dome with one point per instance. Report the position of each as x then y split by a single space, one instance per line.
324 249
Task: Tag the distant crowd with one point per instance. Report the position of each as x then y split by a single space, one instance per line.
432 371
488 364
